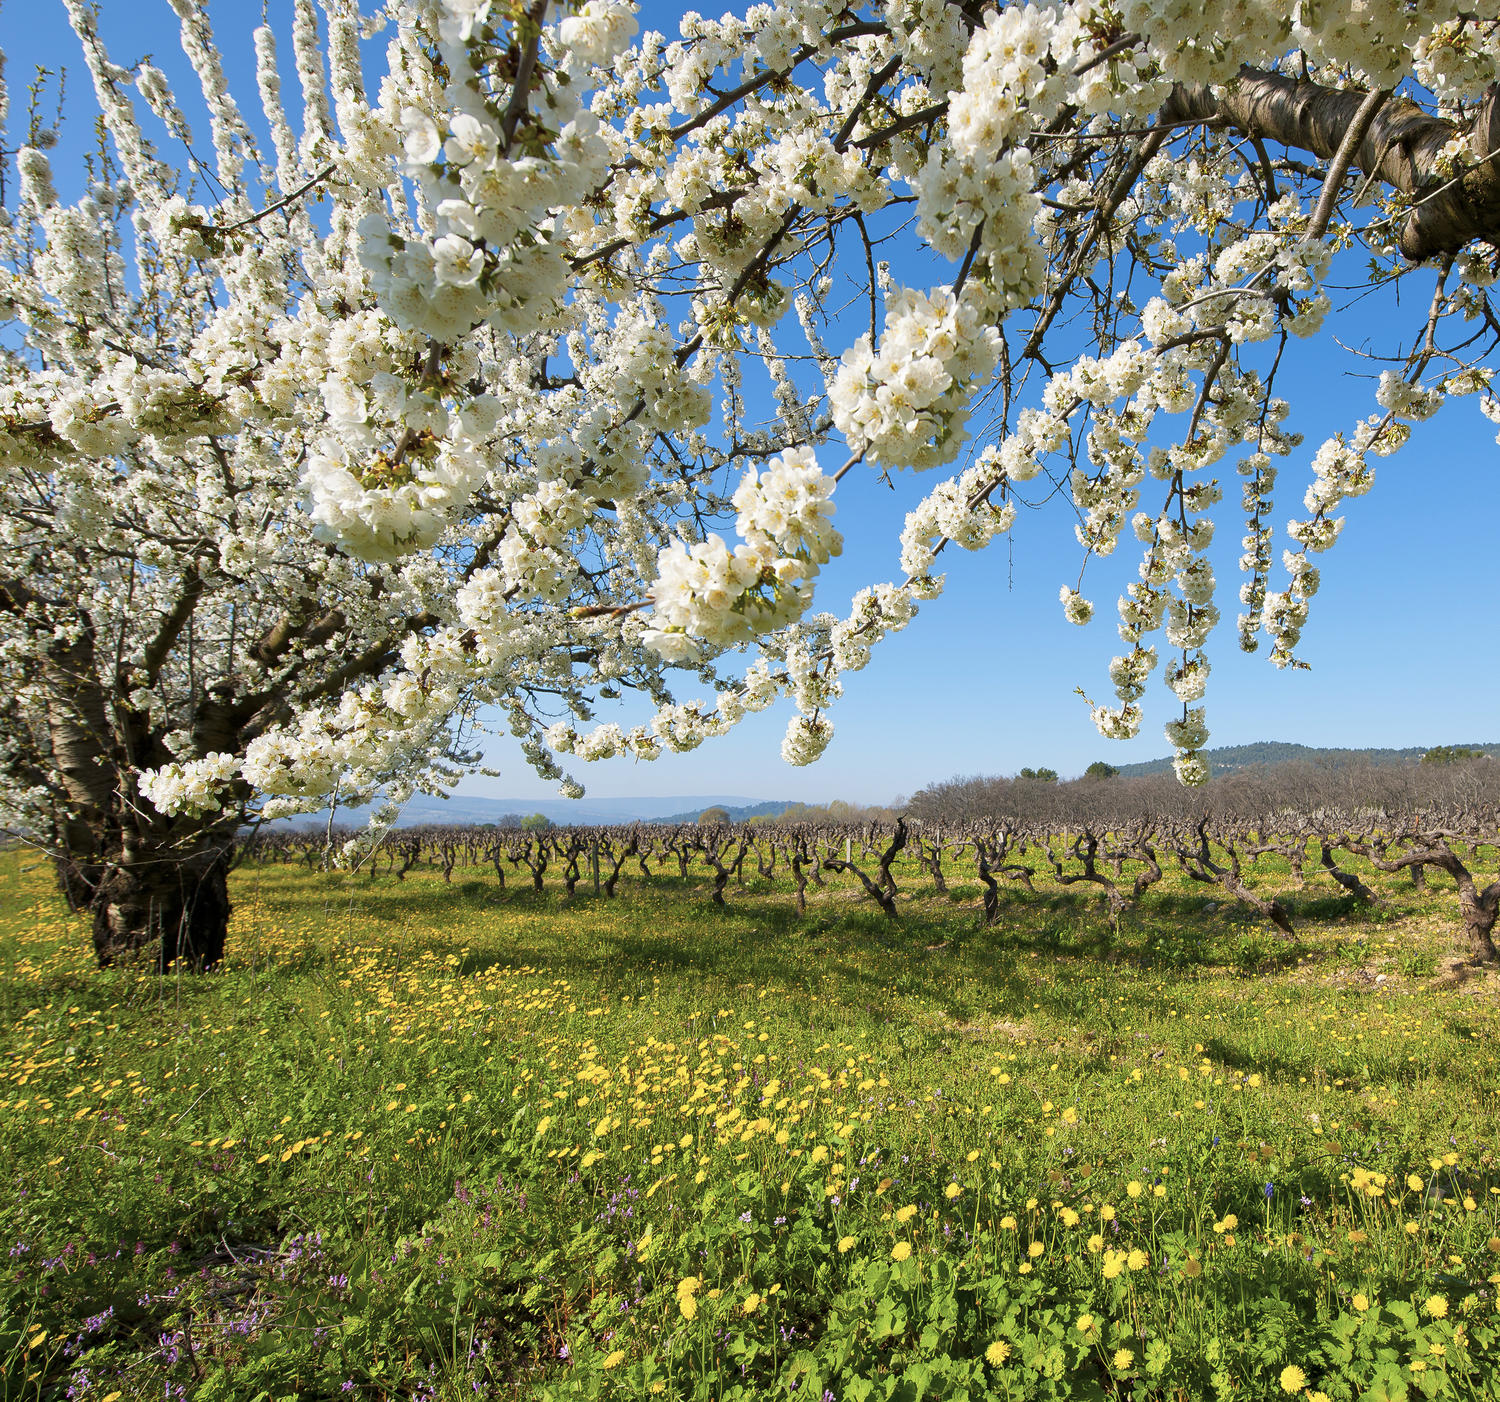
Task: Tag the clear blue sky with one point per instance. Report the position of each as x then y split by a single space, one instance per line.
1402 638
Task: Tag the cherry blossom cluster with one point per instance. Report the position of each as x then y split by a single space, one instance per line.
708 593
960 510
905 401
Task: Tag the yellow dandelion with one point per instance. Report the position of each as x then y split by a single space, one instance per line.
1133 1188
1096 1243
1123 1359
1035 1249
1292 1378
1114 1263
901 1250
1008 1224
1192 1268
997 1353
688 1305
1436 1306
752 1303
1085 1324
906 1213
1361 1302
845 1244
613 1360
952 1191
1069 1217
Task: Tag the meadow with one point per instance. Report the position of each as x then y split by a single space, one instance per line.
439 1141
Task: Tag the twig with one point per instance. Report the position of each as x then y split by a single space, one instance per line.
272 208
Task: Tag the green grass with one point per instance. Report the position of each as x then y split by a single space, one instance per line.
433 1141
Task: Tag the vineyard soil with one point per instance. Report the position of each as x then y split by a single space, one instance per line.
436 1138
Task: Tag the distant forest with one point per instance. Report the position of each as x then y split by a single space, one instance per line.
1267 752
1248 781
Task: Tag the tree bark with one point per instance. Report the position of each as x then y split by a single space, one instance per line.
178 897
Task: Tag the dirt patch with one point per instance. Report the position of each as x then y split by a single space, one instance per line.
1000 1030
1453 971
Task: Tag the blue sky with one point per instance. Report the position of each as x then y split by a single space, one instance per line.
1402 637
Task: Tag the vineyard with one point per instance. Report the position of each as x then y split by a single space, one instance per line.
1248 863
1179 1108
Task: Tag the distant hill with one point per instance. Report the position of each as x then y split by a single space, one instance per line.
737 813
464 810
1229 758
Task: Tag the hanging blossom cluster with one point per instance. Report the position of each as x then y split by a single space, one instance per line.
904 402
438 400
194 787
708 593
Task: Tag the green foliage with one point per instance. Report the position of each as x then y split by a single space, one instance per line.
536 822
1044 776
1100 770
1451 754
713 817
1417 963
426 1143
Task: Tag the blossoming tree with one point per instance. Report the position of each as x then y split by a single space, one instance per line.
506 370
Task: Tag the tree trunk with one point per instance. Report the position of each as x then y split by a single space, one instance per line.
174 897
1479 910
78 881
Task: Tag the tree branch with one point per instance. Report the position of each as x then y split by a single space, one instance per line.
1399 146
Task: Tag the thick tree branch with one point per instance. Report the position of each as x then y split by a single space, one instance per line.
1399 146
160 647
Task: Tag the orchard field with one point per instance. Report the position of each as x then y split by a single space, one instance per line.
428 1138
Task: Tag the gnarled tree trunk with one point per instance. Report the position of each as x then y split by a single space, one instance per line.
174 896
